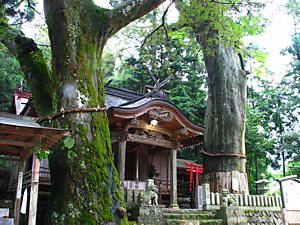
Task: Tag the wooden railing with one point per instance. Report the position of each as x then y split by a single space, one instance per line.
163 186
44 178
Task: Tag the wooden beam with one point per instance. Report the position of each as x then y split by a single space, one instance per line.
150 141
9 129
17 143
173 196
10 150
157 128
34 191
121 161
116 136
181 131
24 155
9 158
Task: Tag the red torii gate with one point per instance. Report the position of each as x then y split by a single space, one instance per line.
194 168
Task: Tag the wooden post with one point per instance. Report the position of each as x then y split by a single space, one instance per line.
21 168
173 196
34 191
121 161
137 169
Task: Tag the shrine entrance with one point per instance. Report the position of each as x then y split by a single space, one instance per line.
188 178
146 135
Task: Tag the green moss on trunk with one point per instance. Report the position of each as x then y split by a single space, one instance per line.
84 179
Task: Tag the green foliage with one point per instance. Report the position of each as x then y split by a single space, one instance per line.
176 55
6 164
69 142
291 83
19 11
109 64
43 42
258 146
41 153
276 106
229 20
293 7
10 76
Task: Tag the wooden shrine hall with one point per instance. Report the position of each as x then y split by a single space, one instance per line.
146 133
18 136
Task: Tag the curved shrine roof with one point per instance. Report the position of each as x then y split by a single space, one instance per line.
143 109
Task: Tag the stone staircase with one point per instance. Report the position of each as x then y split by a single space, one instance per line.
190 217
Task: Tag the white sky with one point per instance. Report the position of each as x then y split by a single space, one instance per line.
276 37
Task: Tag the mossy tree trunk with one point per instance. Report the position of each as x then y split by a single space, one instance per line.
85 186
224 157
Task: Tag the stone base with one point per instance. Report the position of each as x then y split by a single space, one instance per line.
232 215
151 215
183 222
174 206
233 181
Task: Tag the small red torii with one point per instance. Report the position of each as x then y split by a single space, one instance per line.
194 168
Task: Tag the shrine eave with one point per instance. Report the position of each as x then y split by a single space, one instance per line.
141 107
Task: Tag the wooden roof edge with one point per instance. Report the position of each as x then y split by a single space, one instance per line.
142 108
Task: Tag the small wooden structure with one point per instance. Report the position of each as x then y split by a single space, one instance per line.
290 193
146 133
18 136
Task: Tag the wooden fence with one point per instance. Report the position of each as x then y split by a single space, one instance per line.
206 199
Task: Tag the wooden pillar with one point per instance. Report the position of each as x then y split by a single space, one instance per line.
137 169
121 161
173 197
34 190
21 168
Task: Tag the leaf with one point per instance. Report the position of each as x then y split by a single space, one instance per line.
69 142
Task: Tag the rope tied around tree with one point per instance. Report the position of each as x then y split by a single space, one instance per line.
223 154
69 111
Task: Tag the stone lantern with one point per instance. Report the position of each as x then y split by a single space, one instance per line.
262 184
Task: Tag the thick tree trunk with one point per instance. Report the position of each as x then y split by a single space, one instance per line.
225 159
85 186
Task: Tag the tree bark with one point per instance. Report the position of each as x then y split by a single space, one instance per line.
85 183
224 156
32 64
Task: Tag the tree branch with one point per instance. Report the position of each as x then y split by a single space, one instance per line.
33 65
33 8
131 11
162 25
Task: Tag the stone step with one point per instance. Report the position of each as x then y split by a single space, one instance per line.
188 216
211 222
195 222
184 210
182 222
205 213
